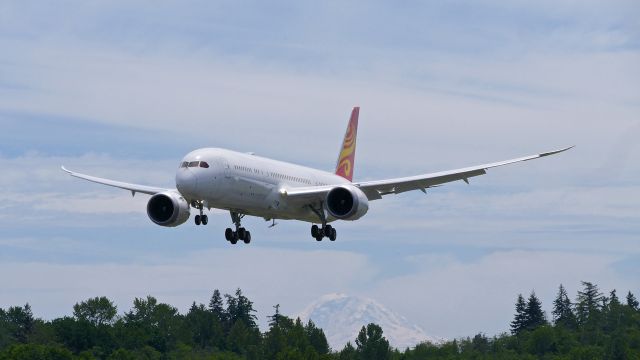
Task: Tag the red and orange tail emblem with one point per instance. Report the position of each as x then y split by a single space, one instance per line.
346 160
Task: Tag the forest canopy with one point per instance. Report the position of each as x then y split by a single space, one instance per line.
593 326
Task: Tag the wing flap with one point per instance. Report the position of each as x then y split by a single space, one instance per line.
134 188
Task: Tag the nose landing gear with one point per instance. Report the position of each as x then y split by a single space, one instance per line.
201 218
240 233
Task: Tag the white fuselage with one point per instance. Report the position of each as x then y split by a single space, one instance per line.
248 184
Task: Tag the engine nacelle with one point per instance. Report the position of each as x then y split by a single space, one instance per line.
168 209
347 202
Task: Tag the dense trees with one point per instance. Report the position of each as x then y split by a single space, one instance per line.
529 314
595 326
225 329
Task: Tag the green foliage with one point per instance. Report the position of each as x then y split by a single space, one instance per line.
288 339
204 327
371 345
595 327
563 314
534 317
589 303
316 337
632 302
348 353
98 311
519 322
240 308
35 352
19 322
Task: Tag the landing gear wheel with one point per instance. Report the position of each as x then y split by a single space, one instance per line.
242 233
314 231
319 238
204 219
197 219
247 237
234 240
333 234
327 230
228 234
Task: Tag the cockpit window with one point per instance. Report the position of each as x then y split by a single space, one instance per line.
202 164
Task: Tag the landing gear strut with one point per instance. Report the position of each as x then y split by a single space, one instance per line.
201 218
326 230
240 233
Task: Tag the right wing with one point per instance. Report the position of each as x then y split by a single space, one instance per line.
376 189
134 188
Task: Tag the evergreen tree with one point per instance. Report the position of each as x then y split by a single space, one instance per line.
238 339
589 313
275 340
563 310
480 343
204 327
274 319
613 313
297 336
240 308
371 345
216 306
534 316
632 302
5 337
589 303
519 322
316 337
613 299
348 353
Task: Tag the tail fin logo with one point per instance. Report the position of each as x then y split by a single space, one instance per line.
346 160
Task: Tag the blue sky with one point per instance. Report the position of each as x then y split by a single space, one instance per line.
125 89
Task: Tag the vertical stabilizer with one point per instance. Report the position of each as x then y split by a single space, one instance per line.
346 159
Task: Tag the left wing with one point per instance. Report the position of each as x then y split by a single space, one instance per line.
134 188
376 189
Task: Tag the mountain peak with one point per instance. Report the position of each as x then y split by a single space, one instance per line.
342 316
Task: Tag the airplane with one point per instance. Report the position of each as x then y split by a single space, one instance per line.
247 184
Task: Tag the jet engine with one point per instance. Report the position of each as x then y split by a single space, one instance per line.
347 202
168 209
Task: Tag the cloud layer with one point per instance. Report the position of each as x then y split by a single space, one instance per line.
124 91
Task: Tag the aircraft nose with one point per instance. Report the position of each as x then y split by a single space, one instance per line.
187 182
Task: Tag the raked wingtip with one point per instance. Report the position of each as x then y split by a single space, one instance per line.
557 151
65 169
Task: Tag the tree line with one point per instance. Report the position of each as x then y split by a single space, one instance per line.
594 326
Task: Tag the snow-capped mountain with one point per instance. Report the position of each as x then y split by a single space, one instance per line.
341 317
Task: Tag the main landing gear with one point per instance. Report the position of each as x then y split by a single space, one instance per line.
326 230
201 218
240 233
